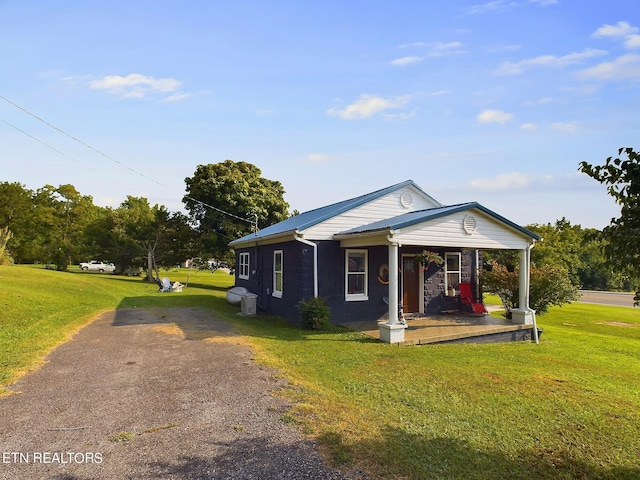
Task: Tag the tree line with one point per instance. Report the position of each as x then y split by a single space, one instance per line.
224 201
571 257
61 227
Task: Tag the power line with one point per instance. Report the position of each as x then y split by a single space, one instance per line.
45 144
250 221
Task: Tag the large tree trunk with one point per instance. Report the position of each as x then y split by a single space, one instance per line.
151 266
5 236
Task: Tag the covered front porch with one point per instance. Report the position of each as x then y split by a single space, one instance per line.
452 231
450 328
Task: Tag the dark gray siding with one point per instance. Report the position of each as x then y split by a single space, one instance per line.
435 299
298 280
297 277
331 258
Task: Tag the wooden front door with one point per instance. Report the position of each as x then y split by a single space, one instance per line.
410 285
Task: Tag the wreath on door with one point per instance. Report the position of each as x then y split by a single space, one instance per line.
383 274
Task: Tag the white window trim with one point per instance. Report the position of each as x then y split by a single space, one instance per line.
447 271
358 297
278 293
245 264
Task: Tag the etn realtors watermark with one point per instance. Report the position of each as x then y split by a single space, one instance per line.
60 458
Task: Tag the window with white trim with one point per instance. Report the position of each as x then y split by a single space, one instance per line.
277 273
243 265
356 269
453 272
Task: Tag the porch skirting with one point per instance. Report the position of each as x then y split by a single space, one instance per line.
424 330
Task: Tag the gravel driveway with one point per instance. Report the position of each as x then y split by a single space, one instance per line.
152 394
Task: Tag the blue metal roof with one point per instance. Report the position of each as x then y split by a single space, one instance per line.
313 217
412 218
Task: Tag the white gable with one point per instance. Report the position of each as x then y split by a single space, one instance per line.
404 200
450 231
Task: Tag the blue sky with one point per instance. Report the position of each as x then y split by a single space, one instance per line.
495 102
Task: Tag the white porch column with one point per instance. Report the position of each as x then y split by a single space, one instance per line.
523 314
392 331
393 284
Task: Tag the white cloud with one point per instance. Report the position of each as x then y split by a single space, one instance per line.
415 44
505 48
443 49
632 41
456 155
511 181
518 181
319 158
177 97
500 4
399 116
567 127
529 126
625 67
485 7
552 61
494 116
434 49
619 30
136 85
368 105
406 60
540 101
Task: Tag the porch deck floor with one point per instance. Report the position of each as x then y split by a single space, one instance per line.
442 328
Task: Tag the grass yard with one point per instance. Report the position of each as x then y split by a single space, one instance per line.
567 408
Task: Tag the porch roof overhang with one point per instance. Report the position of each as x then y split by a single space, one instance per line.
468 225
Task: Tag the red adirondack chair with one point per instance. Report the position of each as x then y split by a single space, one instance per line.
466 298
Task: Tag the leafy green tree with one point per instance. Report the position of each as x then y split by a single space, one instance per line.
570 247
109 238
74 212
228 200
177 240
578 251
124 235
622 177
137 234
561 246
549 286
15 210
53 229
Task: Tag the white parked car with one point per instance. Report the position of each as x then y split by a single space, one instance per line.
96 266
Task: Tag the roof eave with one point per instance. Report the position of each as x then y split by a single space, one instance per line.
365 233
257 239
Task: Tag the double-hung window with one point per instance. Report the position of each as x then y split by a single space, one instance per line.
453 270
277 273
356 269
243 265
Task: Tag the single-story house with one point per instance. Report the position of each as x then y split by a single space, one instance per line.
358 254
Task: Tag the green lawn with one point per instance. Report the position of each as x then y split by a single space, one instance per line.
567 408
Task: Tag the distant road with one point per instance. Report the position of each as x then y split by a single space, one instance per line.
606 298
